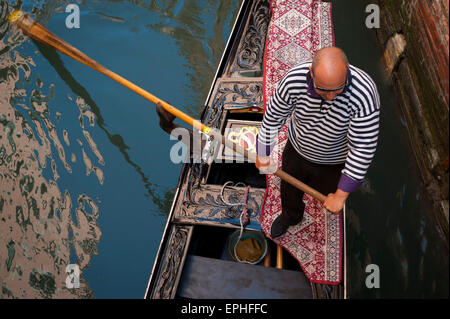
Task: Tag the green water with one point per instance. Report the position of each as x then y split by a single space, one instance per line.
85 172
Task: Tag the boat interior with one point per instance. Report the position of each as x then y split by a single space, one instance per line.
194 259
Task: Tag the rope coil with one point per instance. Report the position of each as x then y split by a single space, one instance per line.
243 218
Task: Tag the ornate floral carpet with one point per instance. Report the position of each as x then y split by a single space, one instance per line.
297 30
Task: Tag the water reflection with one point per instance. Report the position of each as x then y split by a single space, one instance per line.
196 40
44 226
91 112
42 231
39 225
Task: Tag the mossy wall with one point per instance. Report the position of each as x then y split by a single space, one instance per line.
420 79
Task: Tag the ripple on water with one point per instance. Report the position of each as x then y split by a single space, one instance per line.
40 227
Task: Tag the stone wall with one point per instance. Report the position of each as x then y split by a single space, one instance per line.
414 37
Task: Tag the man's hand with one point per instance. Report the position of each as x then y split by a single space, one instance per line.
265 165
335 202
165 119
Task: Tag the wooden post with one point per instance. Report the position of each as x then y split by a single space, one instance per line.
279 257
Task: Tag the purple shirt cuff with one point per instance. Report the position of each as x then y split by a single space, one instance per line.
263 149
348 184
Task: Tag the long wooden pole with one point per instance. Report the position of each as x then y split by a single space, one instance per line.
41 34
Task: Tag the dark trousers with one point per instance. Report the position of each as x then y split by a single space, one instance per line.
323 178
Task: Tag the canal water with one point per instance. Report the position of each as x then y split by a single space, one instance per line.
84 167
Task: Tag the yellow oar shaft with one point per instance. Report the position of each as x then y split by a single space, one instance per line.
41 34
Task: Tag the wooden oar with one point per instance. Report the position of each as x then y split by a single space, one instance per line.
41 34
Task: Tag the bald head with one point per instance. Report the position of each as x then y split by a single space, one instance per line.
329 57
329 69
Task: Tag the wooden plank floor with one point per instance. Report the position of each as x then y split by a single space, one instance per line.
208 278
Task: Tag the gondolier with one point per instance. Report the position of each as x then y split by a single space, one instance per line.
333 131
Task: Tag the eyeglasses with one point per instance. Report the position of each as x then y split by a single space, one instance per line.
331 90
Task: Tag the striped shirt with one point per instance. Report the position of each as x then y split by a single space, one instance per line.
344 129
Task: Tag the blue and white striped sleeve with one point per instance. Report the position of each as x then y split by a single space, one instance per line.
362 140
277 112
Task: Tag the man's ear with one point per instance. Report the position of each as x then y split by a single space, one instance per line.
311 72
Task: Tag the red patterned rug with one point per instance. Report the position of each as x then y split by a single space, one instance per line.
297 30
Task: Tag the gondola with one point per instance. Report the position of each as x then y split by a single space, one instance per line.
197 256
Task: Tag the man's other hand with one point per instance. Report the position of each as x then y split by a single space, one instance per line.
265 165
335 202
